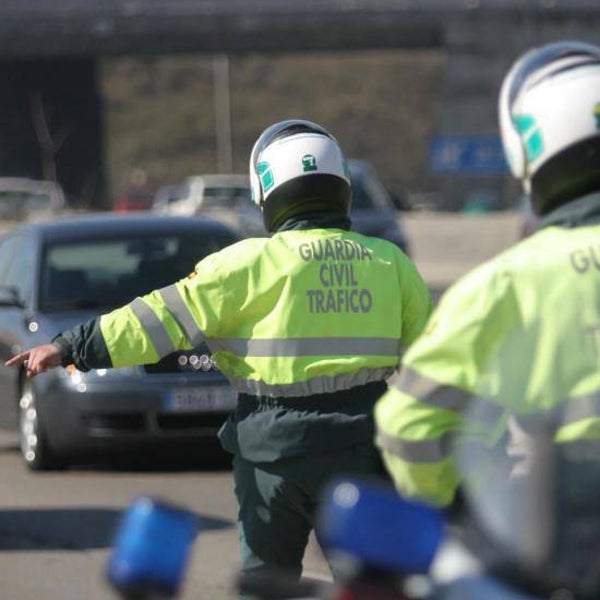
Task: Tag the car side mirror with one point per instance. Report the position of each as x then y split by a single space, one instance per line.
9 296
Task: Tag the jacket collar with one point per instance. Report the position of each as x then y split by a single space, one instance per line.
580 212
316 220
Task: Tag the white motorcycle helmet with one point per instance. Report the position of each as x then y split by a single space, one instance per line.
549 112
297 167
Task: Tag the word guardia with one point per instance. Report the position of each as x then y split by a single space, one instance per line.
334 250
339 289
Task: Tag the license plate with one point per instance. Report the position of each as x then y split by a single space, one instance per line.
206 399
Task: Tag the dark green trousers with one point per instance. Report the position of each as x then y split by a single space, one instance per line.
278 503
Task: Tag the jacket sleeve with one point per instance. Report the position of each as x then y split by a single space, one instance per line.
443 373
83 346
138 333
177 317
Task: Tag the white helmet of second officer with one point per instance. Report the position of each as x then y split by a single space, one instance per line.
549 111
297 168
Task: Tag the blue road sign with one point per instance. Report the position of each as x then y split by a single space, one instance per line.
468 155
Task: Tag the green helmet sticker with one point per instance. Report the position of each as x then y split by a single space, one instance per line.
309 163
597 115
266 175
531 136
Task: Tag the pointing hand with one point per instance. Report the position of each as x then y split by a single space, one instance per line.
37 360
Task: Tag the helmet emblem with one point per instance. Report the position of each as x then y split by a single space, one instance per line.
309 163
597 115
346 170
266 175
531 136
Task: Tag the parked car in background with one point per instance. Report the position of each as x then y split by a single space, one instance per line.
374 211
23 199
216 195
166 195
57 274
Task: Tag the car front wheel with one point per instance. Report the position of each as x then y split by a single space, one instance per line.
36 452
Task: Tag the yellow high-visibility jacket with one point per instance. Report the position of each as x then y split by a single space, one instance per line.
303 312
518 337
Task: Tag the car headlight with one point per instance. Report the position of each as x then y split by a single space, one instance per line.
73 376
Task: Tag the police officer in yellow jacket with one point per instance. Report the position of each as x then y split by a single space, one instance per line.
520 335
307 325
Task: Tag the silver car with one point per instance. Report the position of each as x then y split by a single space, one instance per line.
55 275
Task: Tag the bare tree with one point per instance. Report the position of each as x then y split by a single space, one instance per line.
50 141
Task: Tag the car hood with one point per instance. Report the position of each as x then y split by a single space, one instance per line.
52 323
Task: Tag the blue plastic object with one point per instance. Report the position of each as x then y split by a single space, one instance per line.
373 524
151 549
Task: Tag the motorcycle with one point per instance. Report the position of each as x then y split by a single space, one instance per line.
528 527
529 530
155 538
376 545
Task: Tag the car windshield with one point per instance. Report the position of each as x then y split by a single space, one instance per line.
224 197
110 272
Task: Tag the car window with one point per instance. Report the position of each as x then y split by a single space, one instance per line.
8 250
17 265
111 272
224 196
21 272
28 199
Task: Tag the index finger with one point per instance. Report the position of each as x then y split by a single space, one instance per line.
17 359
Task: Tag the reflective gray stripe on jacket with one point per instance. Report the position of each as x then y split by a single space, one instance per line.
153 327
416 451
156 330
433 392
270 348
280 347
317 385
294 347
482 411
181 313
572 410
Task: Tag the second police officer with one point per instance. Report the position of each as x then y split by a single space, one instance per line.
307 324
518 337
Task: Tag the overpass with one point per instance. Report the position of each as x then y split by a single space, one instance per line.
52 114
89 28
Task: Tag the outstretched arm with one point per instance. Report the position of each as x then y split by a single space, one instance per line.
140 332
37 359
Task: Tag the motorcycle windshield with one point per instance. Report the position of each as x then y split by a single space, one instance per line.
531 480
